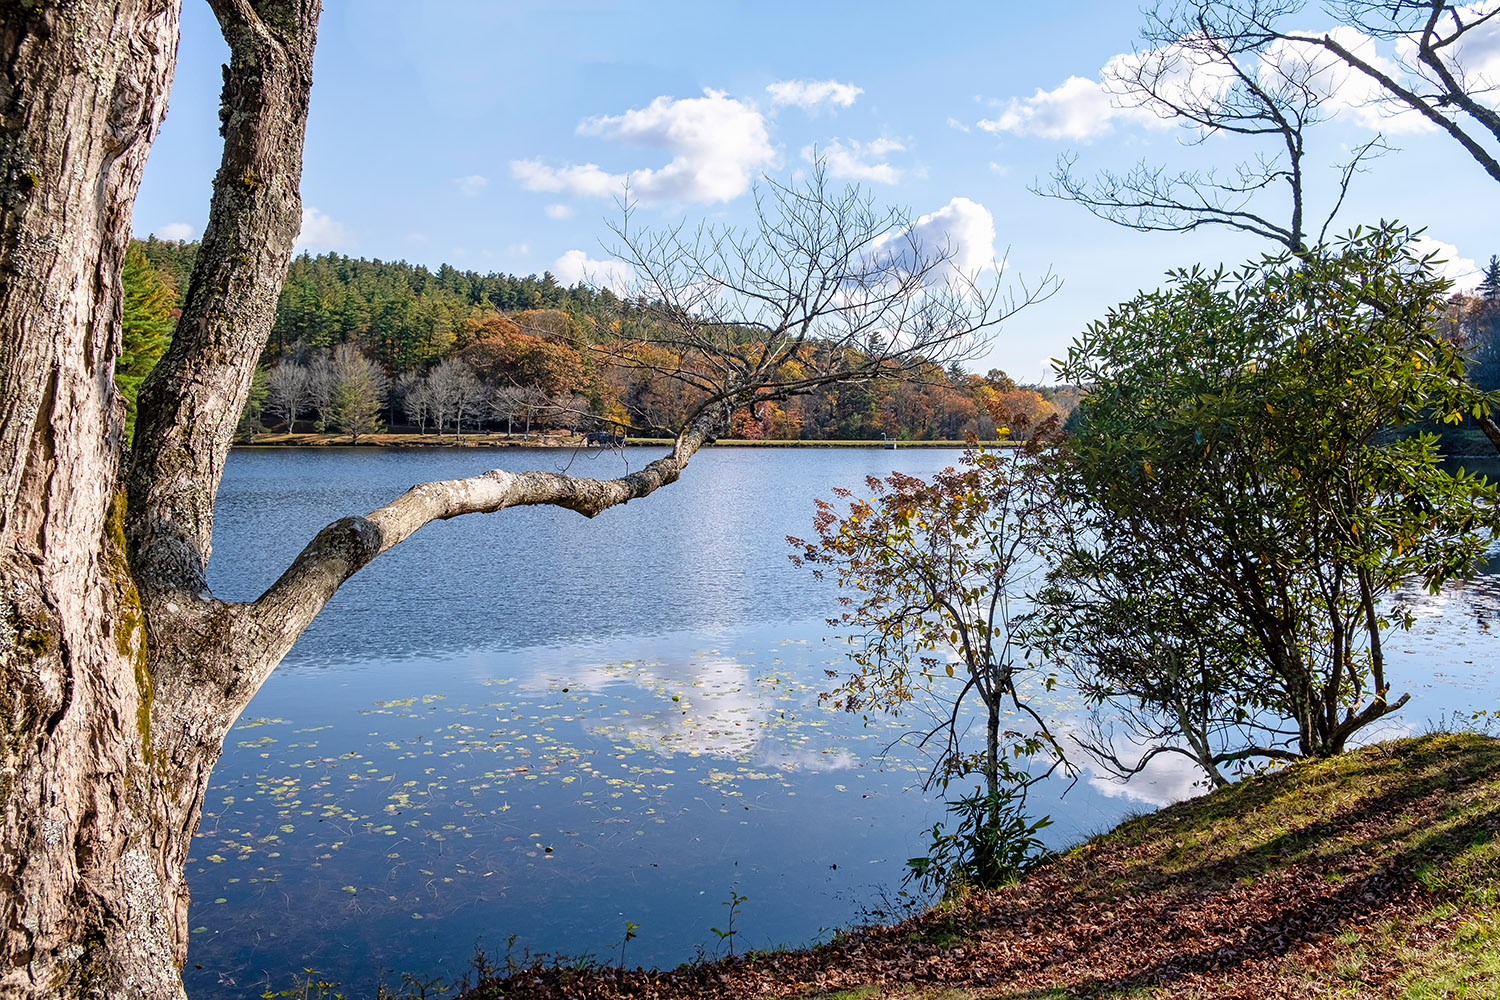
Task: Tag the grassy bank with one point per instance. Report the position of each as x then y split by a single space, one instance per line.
558 441
1376 874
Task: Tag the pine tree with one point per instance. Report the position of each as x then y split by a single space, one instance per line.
145 326
1489 285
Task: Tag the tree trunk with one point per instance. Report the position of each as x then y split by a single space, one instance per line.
120 676
986 862
90 883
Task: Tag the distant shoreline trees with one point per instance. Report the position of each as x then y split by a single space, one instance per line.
461 350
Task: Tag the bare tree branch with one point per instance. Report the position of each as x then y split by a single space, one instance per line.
1227 67
347 545
191 402
825 288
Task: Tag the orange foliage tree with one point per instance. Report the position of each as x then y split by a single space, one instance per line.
503 355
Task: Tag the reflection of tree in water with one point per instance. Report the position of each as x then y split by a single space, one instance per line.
1473 602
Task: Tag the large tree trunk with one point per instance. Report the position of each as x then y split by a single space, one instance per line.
120 676
89 898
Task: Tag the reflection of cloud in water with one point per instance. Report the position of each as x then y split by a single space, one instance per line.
806 760
1168 778
1392 727
711 705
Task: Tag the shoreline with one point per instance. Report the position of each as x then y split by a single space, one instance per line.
557 441
1372 873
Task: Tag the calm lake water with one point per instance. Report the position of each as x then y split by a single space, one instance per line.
523 730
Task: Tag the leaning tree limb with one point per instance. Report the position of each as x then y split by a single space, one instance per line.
191 402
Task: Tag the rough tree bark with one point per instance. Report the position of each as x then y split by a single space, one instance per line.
120 674
89 901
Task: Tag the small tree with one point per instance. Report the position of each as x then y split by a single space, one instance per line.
359 388
411 389
1254 504
468 395
504 402
321 380
288 390
531 403
937 570
1489 285
444 390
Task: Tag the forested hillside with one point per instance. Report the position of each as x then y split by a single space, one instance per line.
360 344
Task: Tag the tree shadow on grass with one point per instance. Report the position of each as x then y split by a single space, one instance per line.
1238 937
1373 819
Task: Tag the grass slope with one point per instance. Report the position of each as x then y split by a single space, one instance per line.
1375 874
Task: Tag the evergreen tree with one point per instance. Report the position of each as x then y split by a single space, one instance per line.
1489 285
357 394
145 326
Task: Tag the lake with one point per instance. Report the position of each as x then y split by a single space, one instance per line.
522 731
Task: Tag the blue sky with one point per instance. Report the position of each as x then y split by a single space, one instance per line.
491 135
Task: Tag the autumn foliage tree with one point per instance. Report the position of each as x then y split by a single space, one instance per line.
502 354
932 576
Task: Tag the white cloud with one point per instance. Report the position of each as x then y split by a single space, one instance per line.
965 228
1462 271
1186 74
1166 779
811 93
587 179
717 145
177 231
471 185
857 161
575 266
1083 109
559 211
956 124
322 232
518 249
962 233
1080 109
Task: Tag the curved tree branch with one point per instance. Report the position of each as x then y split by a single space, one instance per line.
347 545
1410 98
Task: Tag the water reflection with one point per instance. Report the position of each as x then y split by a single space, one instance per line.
543 725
